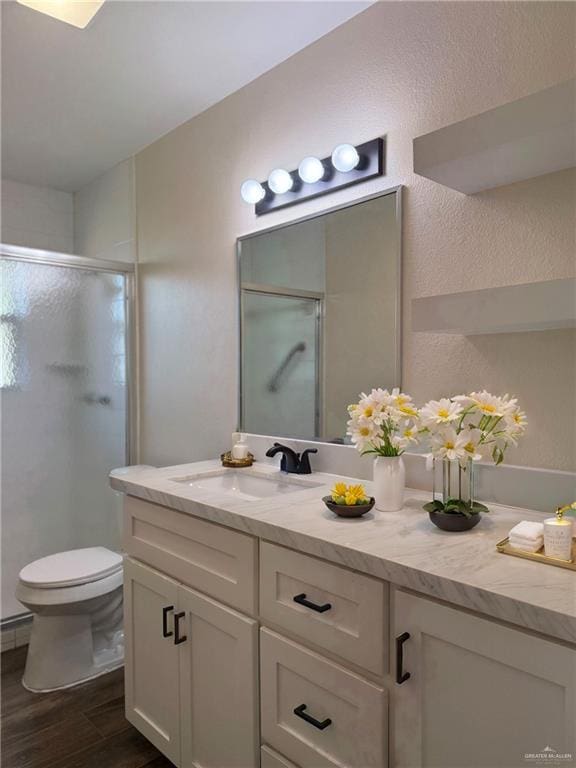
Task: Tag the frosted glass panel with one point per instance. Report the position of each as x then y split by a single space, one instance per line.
280 364
63 379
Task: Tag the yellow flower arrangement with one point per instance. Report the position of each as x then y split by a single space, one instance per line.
349 495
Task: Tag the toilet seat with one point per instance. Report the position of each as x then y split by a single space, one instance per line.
71 569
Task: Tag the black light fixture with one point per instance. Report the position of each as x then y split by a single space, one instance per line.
346 165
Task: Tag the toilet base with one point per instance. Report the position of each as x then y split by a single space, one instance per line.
67 649
103 671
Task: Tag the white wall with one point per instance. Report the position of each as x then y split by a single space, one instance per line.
104 215
399 69
37 217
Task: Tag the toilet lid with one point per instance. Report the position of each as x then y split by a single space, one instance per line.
68 569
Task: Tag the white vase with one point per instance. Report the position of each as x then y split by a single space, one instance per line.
389 482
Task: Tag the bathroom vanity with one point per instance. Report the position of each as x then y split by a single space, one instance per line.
262 630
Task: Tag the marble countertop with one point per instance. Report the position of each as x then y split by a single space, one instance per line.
401 547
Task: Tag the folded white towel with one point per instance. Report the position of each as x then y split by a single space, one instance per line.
528 542
528 546
528 529
525 546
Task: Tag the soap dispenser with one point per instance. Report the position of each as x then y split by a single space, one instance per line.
240 447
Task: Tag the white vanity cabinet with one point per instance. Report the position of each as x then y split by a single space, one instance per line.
191 673
478 693
241 653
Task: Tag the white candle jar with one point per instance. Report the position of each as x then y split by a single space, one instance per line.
558 538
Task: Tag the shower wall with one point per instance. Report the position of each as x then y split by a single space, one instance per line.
63 389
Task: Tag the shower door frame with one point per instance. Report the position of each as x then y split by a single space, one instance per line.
290 293
129 271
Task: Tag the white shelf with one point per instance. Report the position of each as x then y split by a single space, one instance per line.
542 306
517 141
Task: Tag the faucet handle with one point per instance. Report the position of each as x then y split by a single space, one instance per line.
304 467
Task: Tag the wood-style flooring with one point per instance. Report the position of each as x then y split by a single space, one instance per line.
82 727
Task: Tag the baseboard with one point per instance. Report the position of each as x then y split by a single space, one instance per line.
15 631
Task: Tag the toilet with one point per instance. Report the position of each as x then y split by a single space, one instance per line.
77 632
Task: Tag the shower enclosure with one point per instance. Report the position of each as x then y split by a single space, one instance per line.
64 385
282 352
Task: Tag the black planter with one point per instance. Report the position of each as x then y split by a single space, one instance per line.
454 522
342 510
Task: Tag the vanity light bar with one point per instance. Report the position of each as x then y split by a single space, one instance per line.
346 165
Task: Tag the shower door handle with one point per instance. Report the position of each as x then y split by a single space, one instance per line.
165 611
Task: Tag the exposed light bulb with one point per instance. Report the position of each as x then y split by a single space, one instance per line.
345 158
252 191
311 170
280 181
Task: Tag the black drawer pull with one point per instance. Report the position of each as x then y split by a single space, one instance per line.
177 638
401 676
320 724
165 612
301 600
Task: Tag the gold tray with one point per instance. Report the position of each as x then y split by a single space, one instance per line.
228 461
539 557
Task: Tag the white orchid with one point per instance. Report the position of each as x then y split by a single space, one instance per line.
383 422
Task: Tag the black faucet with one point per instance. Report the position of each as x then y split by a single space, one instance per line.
295 463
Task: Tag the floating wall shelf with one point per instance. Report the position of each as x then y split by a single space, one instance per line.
542 306
517 141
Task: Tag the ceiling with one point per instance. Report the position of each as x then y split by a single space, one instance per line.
76 102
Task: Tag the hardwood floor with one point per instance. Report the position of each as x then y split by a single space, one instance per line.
82 727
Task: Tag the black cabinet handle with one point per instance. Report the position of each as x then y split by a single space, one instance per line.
165 612
177 638
320 724
301 600
401 676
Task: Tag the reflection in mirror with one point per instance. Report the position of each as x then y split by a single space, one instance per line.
319 318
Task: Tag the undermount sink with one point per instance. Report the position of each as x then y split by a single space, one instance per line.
246 484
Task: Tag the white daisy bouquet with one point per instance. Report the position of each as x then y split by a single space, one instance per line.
383 423
461 427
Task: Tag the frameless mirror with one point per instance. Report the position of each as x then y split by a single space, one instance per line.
319 317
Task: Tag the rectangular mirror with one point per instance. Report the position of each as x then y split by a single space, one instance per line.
319 317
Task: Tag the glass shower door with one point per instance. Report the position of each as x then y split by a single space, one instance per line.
63 384
281 350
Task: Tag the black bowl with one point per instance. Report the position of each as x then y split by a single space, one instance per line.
454 522
343 510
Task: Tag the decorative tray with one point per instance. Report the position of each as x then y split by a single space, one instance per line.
539 557
228 461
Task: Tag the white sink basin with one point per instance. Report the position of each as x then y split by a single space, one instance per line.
247 484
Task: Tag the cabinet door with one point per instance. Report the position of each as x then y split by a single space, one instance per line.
218 685
152 661
479 694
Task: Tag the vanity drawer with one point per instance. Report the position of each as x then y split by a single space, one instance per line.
353 627
271 759
347 715
215 560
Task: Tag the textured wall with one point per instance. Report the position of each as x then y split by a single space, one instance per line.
399 69
37 217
